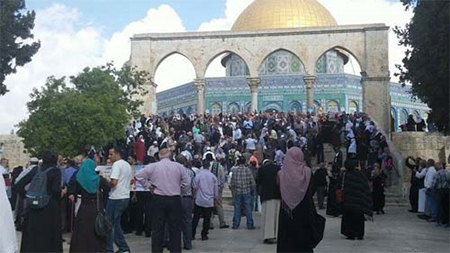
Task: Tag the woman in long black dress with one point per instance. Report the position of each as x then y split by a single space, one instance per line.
42 227
333 207
357 201
88 183
295 224
378 191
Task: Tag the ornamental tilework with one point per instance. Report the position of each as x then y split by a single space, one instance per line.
281 62
287 92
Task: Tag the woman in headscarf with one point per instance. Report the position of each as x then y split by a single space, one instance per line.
333 207
269 193
357 201
295 224
42 227
90 186
378 190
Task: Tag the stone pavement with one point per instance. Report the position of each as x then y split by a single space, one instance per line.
396 231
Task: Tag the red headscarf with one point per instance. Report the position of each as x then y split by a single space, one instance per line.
294 178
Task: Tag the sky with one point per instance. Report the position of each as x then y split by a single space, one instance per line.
78 33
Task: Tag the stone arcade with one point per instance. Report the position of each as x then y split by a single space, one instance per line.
284 55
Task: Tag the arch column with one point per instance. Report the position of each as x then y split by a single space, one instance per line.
200 84
377 100
310 81
253 83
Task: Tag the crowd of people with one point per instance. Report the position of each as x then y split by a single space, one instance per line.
265 159
429 191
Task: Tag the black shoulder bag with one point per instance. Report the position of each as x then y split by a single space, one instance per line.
103 224
318 226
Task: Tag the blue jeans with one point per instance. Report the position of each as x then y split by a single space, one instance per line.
432 202
245 200
114 210
187 203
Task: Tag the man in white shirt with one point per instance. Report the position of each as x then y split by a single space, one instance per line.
3 166
430 192
119 198
153 149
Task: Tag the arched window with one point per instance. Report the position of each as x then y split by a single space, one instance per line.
295 106
180 111
234 108
281 62
404 116
395 117
333 106
248 107
352 107
189 110
216 108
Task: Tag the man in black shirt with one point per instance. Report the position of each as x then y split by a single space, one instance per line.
320 184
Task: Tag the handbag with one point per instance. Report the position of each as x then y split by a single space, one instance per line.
103 224
317 228
340 191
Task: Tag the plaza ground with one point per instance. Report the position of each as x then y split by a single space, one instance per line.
396 231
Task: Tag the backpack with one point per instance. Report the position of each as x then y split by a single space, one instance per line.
37 194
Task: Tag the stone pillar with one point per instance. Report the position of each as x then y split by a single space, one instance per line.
377 100
253 83
310 81
200 85
149 107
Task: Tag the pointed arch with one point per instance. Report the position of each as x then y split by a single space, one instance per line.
163 58
227 56
281 61
340 51
175 61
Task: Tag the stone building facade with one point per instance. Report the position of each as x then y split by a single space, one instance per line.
14 150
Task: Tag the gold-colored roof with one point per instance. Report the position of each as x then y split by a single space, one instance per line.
278 14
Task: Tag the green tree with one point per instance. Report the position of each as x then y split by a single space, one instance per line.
15 34
94 110
426 63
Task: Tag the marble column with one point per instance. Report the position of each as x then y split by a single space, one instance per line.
310 81
200 85
253 83
377 100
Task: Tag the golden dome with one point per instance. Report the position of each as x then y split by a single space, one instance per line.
278 14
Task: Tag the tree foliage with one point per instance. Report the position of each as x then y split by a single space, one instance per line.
15 34
426 63
94 110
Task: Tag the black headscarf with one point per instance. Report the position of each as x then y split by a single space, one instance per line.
49 159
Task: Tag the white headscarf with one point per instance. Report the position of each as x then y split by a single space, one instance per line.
8 240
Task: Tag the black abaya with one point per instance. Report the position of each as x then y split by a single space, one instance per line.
378 193
295 233
84 238
42 227
352 224
333 207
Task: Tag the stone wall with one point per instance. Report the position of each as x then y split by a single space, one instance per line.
14 150
425 145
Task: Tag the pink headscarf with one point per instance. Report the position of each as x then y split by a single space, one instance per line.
294 178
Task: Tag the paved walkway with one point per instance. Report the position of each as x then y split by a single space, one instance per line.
397 231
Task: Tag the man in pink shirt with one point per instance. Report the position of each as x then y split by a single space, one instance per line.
167 180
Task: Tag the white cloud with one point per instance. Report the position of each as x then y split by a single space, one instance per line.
233 8
162 19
